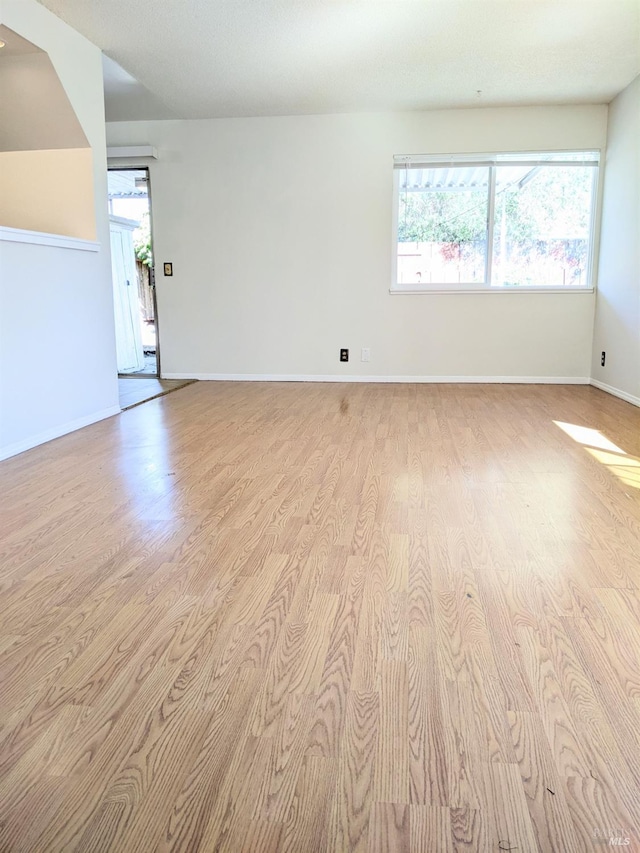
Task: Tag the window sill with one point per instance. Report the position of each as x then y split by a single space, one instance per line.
396 291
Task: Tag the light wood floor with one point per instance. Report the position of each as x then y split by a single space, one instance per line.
300 618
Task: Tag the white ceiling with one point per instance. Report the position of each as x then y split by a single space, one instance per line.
214 58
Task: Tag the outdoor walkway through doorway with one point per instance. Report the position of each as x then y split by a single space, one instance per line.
140 389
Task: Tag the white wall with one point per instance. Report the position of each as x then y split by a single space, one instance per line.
34 354
617 321
72 345
279 230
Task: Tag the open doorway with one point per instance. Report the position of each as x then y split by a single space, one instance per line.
137 344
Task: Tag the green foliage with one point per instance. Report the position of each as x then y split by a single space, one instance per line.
546 218
442 217
553 204
142 241
548 212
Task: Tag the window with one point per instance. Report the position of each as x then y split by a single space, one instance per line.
487 222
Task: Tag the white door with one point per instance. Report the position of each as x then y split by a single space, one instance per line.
130 355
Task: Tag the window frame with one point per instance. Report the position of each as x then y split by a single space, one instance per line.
493 161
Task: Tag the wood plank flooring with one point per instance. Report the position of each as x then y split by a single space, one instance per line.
291 618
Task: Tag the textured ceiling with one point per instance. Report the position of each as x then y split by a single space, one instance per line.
211 58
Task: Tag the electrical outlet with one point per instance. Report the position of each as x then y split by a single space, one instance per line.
366 354
344 355
603 358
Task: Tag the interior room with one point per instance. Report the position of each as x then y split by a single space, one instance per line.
320 426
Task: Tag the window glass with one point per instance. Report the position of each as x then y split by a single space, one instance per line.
542 224
442 225
495 221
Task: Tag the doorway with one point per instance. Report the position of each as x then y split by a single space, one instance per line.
135 305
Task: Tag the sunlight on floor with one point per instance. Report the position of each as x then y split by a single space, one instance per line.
625 467
592 437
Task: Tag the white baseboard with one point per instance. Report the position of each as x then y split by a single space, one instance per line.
615 391
20 446
317 377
